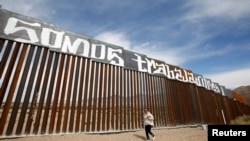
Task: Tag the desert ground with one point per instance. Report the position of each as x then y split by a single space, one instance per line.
193 133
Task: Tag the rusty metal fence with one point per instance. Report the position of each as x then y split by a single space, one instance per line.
48 92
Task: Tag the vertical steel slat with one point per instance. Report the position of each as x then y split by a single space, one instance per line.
150 95
153 98
104 107
100 96
66 98
144 90
138 101
125 99
137 120
85 88
101 99
121 73
95 93
68 94
175 103
74 94
131 104
117 95
168 115
84 91
57 91
158 101
62 92
108 91
80 92
90 92
112 96
169 104
144 87
129 95
130 100
132 92
72 84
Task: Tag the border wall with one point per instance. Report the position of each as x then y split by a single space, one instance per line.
53 81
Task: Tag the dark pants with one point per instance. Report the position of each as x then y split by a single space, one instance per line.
148 131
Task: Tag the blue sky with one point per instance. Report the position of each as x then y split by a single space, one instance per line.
209 37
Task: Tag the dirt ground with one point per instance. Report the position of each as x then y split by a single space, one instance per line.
195 133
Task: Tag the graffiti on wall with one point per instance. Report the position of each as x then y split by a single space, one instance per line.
27 30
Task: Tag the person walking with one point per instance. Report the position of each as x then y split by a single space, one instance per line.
148 124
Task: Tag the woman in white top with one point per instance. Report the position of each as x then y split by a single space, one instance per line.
148 123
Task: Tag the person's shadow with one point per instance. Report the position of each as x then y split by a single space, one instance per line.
139 136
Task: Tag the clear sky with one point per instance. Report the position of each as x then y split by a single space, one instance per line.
209 37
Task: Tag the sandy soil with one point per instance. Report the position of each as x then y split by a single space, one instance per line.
196 133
